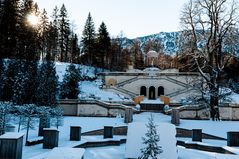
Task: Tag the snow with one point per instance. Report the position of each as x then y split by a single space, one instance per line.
152 69
108 152
91 89
12 135
167 133
196 154
50 129
85 70
65 153
218 128
235 98
148 101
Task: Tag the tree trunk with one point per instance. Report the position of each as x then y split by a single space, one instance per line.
28 126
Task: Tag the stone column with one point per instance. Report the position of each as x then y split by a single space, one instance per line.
128 117
197 135
233 138
50 138
75 133
108 132
175 118
11 146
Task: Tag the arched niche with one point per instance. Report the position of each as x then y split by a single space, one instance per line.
143 91
152 92
160 90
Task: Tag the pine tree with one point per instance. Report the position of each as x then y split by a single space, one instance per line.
32 83
48 82
69 87
88 40
75 50
53 35
20 83
103 45
43 31
9 18
2 77
151 139
28 37
64 33
10 74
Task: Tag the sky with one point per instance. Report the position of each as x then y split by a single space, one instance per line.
134 18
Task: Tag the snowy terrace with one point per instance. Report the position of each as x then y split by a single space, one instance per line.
217 128
89 89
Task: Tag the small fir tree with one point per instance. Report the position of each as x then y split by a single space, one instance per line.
69 87
151 139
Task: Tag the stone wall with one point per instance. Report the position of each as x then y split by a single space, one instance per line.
226 112
229 112
92 108
194 112
69 106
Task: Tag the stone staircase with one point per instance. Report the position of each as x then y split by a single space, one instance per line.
121 84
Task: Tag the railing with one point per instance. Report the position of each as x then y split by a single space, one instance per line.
179 92
126 82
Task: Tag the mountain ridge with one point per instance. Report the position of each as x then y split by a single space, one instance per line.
168 40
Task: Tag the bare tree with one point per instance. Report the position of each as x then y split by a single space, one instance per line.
207 25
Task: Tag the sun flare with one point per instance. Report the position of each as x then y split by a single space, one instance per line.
33 19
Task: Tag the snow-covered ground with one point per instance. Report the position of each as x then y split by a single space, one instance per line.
91 89
218 128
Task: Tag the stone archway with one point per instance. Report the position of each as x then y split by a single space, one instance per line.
152 92
160 91
143 91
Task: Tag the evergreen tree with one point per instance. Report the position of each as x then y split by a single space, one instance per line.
2 77
48 82
43 31
103 45
53 34
151 139
10 74
9 19
75 50
20 83
88 40
25 82
64 33
69 87
28 38
32 83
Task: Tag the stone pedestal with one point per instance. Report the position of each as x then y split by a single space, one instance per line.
175 118
75 133
128 117
11 146
108 132
232 138
50 138
197 135
44 122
